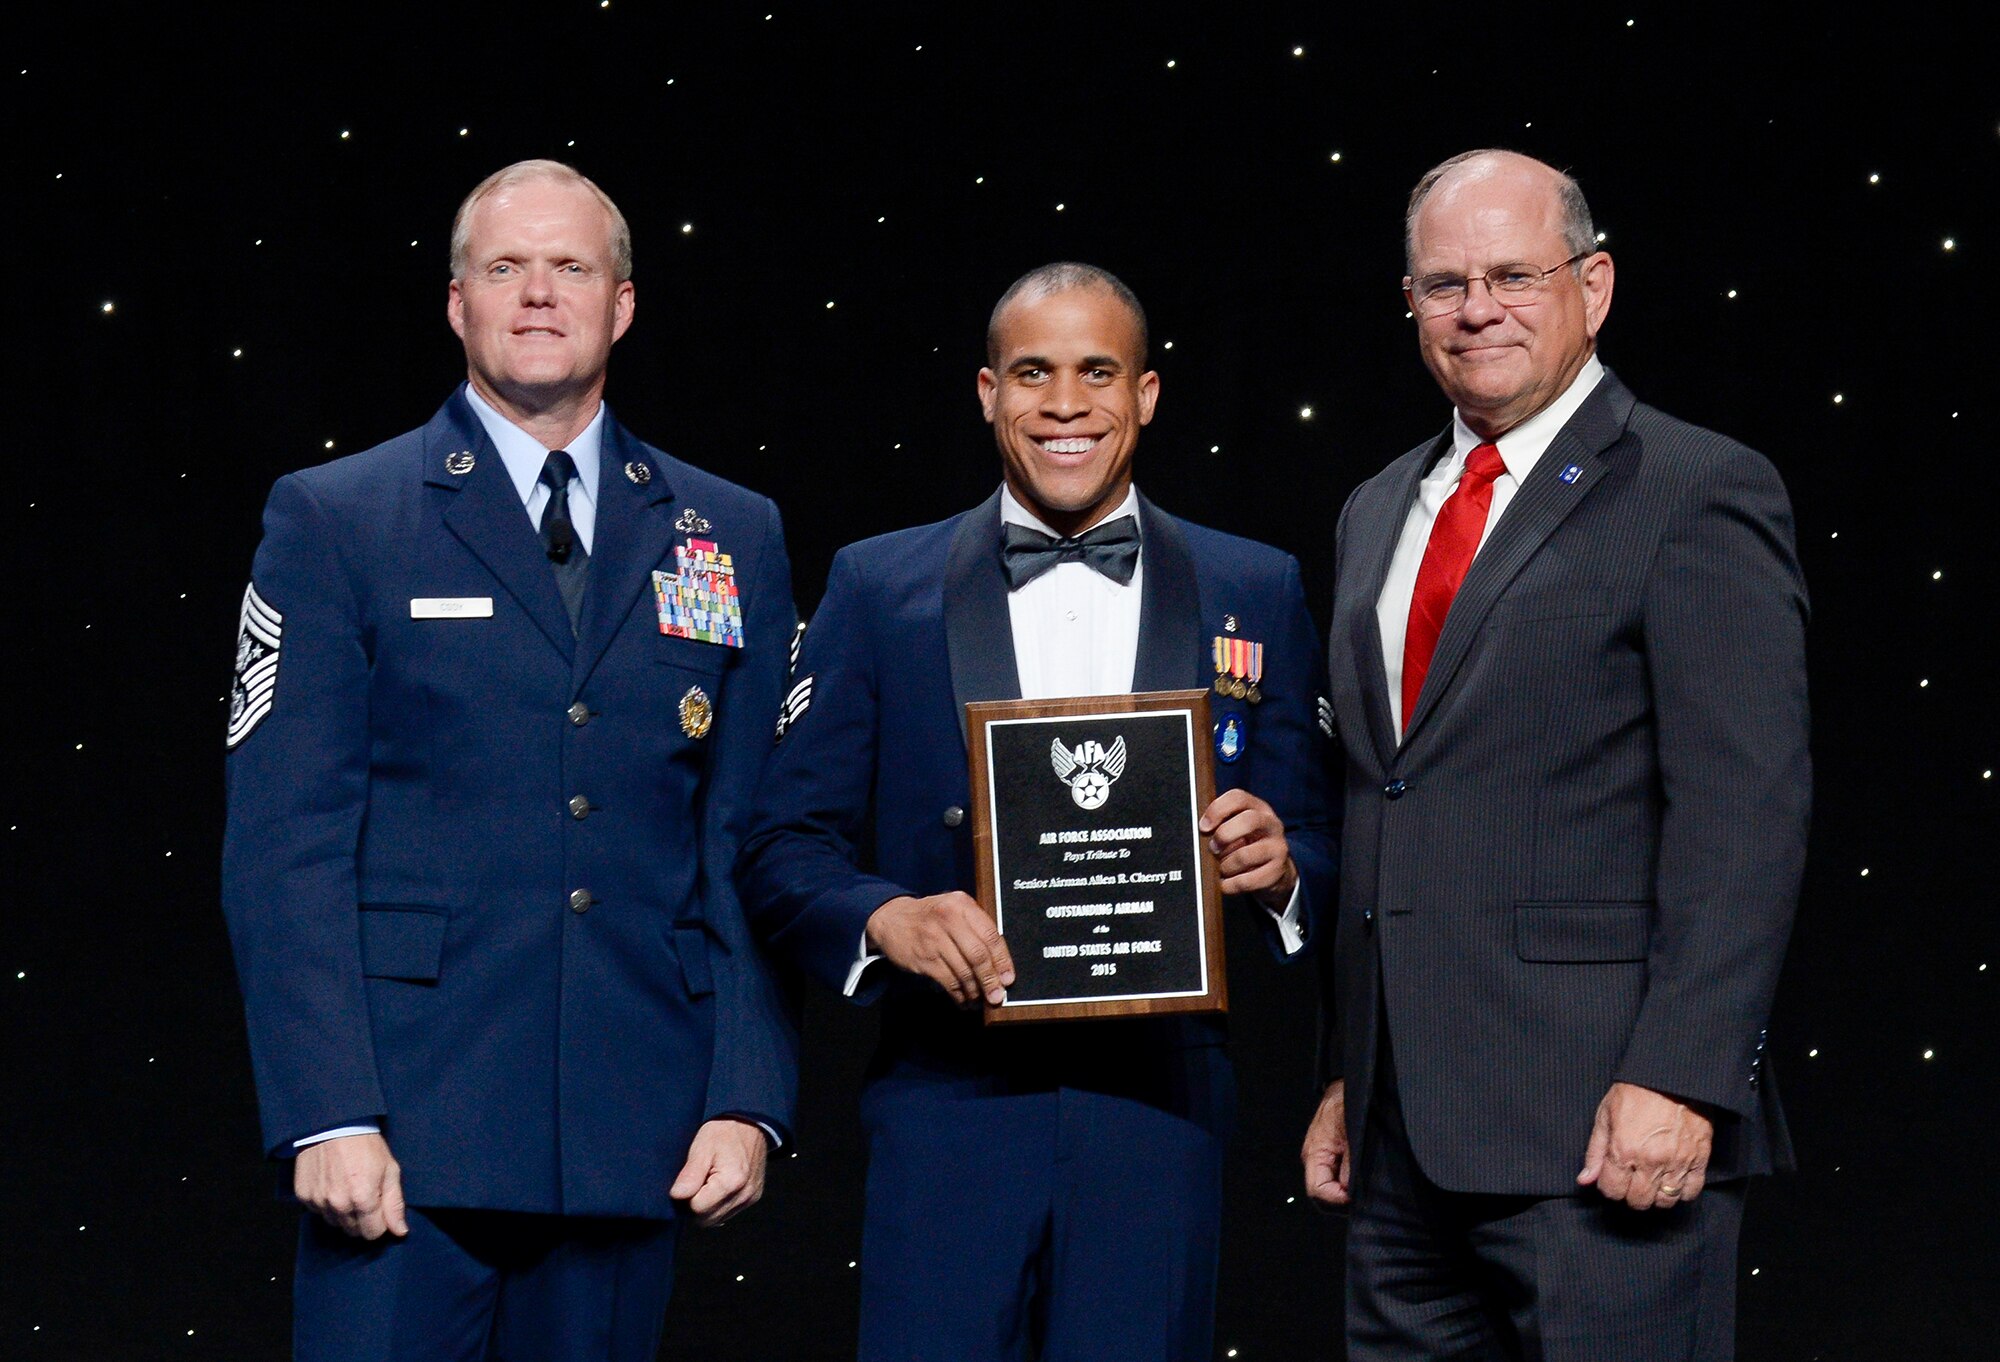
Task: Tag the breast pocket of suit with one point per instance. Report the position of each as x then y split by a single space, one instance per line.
1583 932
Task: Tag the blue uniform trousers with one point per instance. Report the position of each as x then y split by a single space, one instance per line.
484 1286
1066 1225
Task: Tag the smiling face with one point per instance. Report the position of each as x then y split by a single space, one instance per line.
1066 402
538 305
1500 365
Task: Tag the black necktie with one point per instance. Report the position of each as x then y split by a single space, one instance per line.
1111 548
566 552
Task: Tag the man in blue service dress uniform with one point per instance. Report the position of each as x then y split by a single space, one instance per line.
1055 1185
504 691
1568 663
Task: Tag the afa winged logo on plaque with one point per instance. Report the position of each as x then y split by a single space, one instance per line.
1089 770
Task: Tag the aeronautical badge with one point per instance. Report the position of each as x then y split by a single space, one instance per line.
797 701
459 462
692 522
258 631
1324 708
697 713
1239 668
640 473
1229 736
1089 770
700 600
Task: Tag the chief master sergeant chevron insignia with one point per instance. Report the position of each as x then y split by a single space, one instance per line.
251 693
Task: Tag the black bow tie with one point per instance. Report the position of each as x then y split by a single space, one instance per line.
1111 548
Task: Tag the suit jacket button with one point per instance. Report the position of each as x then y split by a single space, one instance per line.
1394 789
1368 916
953 816
579 714
579 807
580 901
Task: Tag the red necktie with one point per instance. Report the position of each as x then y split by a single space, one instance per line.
1454 539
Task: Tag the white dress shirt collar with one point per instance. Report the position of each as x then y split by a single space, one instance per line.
1521 447
1012 512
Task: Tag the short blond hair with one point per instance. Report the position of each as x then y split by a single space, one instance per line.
522 172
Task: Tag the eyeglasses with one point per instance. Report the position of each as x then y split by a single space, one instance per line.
1512 285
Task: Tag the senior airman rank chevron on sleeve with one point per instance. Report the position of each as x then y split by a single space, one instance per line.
258 631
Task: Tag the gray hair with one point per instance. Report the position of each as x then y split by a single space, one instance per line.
523 172
1061 277
1579 233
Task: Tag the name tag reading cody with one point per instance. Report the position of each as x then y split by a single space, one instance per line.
1089 856
451 607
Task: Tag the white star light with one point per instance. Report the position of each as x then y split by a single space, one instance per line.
1305 413
1171 64
1296 52
687 229
1838 398
1928 1054
345 135
1730 294
107 307
1336 156
1874 179
1950 244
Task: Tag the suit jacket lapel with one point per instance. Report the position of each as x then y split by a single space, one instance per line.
979 632
1169 653
1373 554
487 517
1565 473
633 532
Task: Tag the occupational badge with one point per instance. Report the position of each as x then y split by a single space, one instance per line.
700 600
459 462
697 713
692 522
1229 736
259 629
1239 667
1089 770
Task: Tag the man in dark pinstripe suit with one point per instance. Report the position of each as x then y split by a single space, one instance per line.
1568 669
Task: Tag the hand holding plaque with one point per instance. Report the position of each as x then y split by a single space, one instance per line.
1091 858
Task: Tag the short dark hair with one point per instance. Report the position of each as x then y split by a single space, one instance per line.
1578 231
1061 277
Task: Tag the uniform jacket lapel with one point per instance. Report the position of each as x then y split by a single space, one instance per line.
634 530
1169 654
486 515
1561 478
979 632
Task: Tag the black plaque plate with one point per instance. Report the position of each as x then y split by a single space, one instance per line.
1089 855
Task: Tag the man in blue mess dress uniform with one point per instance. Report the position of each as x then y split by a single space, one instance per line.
1053 1187
504 690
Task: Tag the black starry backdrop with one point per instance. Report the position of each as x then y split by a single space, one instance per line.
228 233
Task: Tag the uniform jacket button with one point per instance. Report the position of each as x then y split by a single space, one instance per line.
953 816
579 807
579 714
580 901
